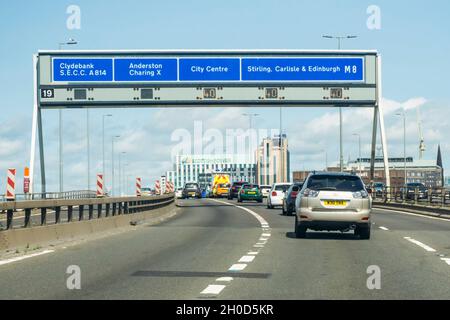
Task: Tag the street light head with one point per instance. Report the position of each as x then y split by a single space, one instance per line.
352 37
327 36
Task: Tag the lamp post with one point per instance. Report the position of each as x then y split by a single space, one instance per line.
250 143
61 163
103 146
341 153
120 172
112 163
359 154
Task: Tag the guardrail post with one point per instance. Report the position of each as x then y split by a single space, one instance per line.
120 208
27 223
80 212
430 196
91 211
125 207
57 215
114 209
443 197
107 209
9 219
99 211
43 216
69 213
416 195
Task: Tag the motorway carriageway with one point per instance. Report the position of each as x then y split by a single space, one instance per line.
217 249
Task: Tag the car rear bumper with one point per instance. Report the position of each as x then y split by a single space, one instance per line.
333 225
276 201
250 197
351 216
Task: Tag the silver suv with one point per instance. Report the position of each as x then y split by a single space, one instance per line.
333 201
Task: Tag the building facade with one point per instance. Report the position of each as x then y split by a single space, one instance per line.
273 161
419 171
199 168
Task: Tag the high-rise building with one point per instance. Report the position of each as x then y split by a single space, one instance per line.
273 161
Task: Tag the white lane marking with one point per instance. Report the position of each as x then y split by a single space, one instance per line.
213 289
265 235
258 246
238 267
263 239
225 279
384 228
2 262
253 252
413 214
447 260
420 244
247 259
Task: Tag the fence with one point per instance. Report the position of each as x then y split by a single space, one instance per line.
101 206
435 197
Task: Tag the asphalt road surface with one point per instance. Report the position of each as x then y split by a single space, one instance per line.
219 250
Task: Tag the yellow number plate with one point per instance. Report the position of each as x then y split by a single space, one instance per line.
336 203
251 192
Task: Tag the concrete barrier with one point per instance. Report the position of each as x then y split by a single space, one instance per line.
29 237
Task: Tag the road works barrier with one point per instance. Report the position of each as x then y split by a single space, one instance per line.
11 184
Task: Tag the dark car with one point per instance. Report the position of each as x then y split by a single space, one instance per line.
289 199
412 188
191 189
234 190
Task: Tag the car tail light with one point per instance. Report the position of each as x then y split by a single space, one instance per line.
294 194
274 193
360 194
365 218
310 193
303 217
242 191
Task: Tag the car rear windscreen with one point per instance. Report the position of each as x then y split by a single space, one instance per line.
250 186
282 187
191 186
335 183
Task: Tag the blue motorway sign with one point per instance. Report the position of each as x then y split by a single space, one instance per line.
235 69
303 69
210 69
82 70
145 69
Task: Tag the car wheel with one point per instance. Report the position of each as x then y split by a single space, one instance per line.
364 233
300 231
269 205
239 200
283 212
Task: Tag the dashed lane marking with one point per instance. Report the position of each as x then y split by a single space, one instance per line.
384 228
420 244
247 259
213 289
225 279
237 267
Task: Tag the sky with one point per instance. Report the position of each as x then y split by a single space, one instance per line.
412 39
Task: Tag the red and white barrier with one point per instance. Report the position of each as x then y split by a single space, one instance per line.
157 188
11 184
100 186
138 187
170 187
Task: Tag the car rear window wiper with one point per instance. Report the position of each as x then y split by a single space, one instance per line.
326 188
